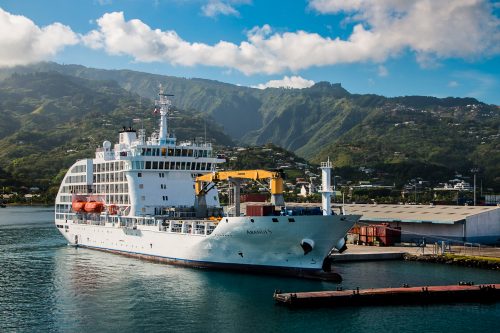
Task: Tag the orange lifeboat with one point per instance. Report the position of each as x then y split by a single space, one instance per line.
113 209
94 207
78 206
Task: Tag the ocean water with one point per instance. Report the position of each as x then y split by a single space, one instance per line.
47 286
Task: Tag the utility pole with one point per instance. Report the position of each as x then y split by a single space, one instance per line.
474 170
474 189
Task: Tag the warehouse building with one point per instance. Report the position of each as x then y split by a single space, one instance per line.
472 224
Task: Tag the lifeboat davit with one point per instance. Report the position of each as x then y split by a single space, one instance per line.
78 206
94 207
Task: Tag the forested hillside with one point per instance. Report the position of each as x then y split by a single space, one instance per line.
71 103
49 120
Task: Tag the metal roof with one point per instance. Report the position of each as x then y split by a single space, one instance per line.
416 213
437 214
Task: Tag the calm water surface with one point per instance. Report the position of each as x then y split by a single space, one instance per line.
47 286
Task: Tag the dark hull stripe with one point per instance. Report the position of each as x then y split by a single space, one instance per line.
310 273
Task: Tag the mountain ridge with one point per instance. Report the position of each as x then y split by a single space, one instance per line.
322 120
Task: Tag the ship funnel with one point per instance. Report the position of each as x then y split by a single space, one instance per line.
326 188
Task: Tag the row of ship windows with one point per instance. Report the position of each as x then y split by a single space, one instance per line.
183 152
62 208
77 189
162 186
109 166
155 165
101 188
164 198
111 188
109 177
76 179
79 169
117 199
65 198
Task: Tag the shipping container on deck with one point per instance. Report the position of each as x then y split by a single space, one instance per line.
260 210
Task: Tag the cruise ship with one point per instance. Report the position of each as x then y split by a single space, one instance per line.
156 198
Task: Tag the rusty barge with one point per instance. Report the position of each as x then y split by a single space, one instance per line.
484 293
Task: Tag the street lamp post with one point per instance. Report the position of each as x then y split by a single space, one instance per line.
415 193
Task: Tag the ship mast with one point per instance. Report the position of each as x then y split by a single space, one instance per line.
164 104
326 188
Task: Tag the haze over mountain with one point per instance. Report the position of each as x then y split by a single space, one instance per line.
58 109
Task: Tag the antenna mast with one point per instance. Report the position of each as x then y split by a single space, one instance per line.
164 104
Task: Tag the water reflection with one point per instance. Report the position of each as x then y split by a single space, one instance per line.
46 285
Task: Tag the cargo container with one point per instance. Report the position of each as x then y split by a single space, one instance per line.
388 236
380 234
260 210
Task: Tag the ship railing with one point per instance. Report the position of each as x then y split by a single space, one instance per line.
178 215
82 220
195 144
199 227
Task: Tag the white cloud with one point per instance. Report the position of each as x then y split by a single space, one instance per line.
214 8
432 29
453 84
382 71
262 52
383 29
287 82
93 40
222 7
27 43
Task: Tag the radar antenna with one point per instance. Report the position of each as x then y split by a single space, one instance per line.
163 105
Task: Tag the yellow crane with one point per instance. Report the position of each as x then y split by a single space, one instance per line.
236 177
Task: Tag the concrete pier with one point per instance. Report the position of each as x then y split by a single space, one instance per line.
368 253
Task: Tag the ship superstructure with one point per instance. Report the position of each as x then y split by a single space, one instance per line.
141 197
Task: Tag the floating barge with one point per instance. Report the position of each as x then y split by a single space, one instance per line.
468 292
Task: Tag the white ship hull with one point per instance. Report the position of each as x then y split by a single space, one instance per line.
156 198
236 242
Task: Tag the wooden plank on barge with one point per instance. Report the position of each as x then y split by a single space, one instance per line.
389 296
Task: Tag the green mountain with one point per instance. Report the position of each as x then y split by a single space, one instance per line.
49 120
323 120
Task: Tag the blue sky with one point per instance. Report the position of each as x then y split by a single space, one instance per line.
388 47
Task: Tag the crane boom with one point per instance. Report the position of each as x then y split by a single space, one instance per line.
275 177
